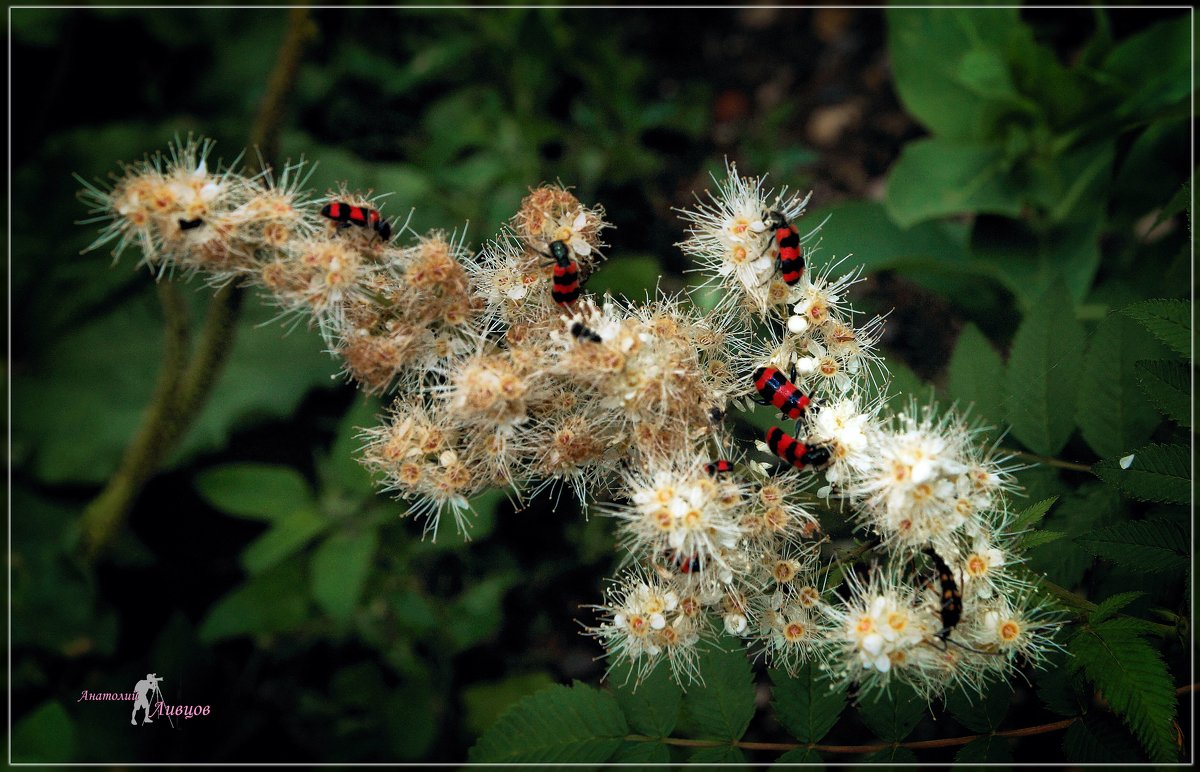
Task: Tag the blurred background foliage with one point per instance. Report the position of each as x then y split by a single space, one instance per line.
987 167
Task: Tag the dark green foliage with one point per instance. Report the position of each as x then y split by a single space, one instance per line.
652 707
1132 677
807 704
559 724
1042 200
893 714
723 706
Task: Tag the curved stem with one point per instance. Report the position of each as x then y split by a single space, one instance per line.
185 383
944 742
104 515
1047 460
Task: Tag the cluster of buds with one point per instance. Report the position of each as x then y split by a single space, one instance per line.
504 372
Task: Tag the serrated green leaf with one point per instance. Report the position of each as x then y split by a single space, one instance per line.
339 570
985 750
807 704
1039 538
642 753
1157 473
1111 605
975 376
1168 386
1132 677
287 535
1099 739
1032 514
1062 691
257 491
1063 561
46 735
725 755
559 725
1111 415
802 756
980 713
1169 320
486 701
268 603
1149 546
1146 87
936 177
651 707
722 708
894 714
1043 373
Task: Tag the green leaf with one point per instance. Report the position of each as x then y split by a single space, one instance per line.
1148 546
951 68
975 377
642 753
651 707
45 736
1038 538
1152 68
1111 414
722 708
287 535
1111 605
632 276
1043 373
1168 386
725 755
1032 515
1062 691
257 491
478 610
339 570
981 713
937 177
893 714
342 468
1132 677
485 702
1169 320
1157 473
985 750
1065 562
801 756
268 603
1099 739
557 725
807 705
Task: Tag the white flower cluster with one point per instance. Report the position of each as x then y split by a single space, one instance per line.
506 373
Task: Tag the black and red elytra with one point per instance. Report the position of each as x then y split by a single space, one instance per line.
795 452
719 467
777 390
347 214
565 289
687 564
950 596
787 241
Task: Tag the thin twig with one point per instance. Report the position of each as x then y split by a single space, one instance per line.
103 516
945 742
184 383
1047 460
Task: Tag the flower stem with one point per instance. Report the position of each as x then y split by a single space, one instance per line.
944 742
1048 461
184 383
